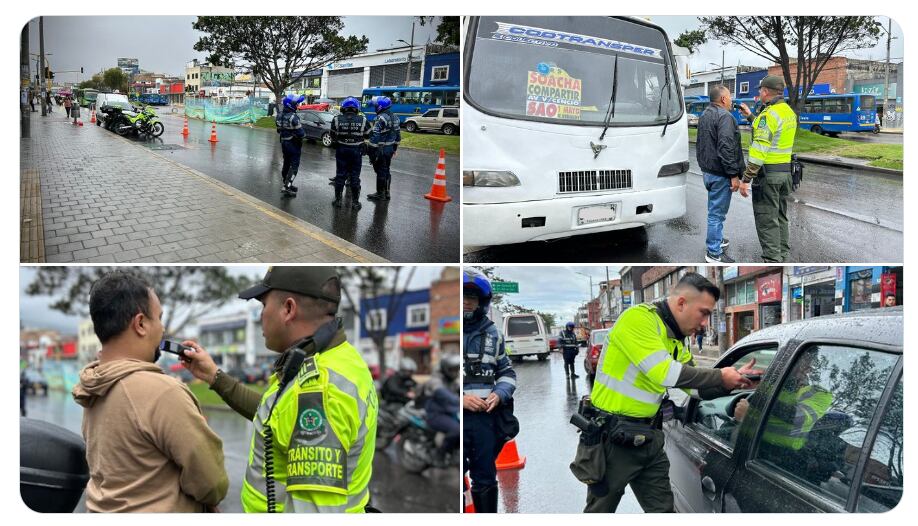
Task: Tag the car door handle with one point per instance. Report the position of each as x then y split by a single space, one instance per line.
708 488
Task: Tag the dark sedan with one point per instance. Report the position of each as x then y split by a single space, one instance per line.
317 125
821 431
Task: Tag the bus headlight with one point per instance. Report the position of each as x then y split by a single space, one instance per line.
489 178
673 169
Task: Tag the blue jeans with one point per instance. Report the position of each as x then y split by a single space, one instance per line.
719 195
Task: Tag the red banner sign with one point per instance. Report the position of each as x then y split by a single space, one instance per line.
768 288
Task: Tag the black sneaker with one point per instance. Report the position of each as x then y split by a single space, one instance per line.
720 258
724 243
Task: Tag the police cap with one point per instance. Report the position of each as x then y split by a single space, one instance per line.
307 281
772 82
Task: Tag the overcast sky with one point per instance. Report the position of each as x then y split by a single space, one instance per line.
34 311
163 44
556 290
711 51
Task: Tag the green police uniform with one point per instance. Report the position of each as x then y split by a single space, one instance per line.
773 131
324 435
643 357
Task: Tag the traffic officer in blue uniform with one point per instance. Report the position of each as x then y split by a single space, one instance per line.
349 132
569 349
291 137
488 382
384 141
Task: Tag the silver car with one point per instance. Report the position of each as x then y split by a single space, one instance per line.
444 119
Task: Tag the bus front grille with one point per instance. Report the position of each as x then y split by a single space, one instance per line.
593 181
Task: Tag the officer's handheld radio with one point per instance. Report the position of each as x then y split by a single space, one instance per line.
295 356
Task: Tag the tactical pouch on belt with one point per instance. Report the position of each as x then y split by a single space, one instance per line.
589 465
630 434
796 172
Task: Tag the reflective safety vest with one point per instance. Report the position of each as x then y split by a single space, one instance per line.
794 416
773 132
641 359
324 429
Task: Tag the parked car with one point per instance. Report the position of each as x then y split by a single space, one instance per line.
822 431
692 120
525 335
108 103
444 119
317 125
598 339
35 382
553 343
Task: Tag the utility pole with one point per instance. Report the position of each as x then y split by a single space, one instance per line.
721 315
41 59
411 49
25 81
609 295
723 55
886 82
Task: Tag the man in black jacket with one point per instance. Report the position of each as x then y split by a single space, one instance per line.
720 156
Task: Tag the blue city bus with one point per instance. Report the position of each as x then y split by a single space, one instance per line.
154 99
408 101
834 114
696 104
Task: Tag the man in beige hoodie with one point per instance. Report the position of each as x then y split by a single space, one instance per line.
148 445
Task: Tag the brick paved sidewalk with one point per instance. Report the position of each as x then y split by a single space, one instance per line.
105 199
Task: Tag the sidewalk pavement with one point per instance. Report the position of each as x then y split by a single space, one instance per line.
88 195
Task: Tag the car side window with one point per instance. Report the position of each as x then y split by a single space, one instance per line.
881 486
431 113
718 417
814 429
451 114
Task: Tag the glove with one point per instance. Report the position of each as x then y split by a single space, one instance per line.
752 170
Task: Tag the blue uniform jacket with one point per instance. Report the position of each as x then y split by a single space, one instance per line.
288 125
386 134
568 342
483 349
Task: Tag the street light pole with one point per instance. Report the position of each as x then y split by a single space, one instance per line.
41 58
886 82
410 51
25 82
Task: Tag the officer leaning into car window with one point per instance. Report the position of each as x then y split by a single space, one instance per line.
383 144
644 356
569 349
291 137
769 168
349 133
488 381
315 424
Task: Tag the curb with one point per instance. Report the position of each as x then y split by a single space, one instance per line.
840 164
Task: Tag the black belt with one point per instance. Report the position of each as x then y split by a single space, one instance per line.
610 416
777 167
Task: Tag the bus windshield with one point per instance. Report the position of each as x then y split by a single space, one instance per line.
561 69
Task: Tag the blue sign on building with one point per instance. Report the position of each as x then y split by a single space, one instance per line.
747 84
405 311
441 69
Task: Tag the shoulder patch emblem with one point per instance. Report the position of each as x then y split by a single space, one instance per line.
308 371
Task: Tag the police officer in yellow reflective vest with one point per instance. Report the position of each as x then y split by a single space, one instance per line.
315 425
643 357
769 168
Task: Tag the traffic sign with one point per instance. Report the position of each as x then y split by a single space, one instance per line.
505 287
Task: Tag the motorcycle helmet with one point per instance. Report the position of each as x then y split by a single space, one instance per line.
476 282
569 326
382 103
292 101
350 104
449 366
407 366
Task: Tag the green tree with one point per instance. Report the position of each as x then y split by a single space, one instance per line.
691 39
277 47
807 41
186 293
115 79
95 83
447 28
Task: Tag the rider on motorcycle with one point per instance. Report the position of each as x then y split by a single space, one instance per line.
440 398
398 389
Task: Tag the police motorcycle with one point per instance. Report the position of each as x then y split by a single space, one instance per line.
420 445
143 122
389 423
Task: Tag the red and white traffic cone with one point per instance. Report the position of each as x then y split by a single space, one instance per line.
213 132
438 188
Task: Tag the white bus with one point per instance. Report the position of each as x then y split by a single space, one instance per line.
574 125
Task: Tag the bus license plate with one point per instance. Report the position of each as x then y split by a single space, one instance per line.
595 214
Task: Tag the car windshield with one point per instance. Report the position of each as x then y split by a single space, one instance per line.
560 69
522 326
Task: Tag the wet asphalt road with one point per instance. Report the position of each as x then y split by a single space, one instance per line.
837 215
393 489
408 228
544 402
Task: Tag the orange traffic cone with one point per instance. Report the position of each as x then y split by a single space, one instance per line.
213 132
185 128
469 504
92 117
438 188
510 458
80 122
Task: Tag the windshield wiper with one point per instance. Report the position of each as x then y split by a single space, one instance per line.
610 113
669 97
